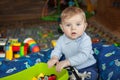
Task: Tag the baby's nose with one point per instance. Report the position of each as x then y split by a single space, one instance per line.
73 27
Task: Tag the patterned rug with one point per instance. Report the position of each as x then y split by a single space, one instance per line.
43 33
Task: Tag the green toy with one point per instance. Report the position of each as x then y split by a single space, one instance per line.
117 44
55 16
52 17
35 70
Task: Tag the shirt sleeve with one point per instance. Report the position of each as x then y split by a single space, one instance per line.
84 52
57 50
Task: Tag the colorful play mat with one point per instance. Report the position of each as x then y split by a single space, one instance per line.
44 32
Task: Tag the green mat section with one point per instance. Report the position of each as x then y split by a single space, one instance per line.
35 70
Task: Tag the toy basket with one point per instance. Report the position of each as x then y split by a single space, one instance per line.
35 70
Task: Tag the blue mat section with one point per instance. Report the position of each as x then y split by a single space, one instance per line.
108 60
10 67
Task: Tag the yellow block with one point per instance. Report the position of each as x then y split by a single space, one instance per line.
34 78
40 75
9 53
16 44
53 42
16 55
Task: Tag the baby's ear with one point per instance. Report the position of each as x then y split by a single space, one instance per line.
86 24
61 26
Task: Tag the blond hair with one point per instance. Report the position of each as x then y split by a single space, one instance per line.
71 11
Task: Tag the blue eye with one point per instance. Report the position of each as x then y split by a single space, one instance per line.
78 24
68 25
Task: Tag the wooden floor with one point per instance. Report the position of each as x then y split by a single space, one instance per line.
115 30
12 11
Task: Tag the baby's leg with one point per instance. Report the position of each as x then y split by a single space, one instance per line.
89 73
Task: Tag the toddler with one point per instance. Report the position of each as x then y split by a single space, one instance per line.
75 44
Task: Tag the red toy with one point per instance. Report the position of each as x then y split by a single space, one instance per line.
52 77
45 77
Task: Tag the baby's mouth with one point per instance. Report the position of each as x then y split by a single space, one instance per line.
73 33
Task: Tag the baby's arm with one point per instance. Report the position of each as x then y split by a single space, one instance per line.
55 54
62 64
54 60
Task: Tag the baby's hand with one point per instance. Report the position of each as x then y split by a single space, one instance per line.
52 61
62 64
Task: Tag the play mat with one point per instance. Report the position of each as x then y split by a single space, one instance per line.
44 32
107 59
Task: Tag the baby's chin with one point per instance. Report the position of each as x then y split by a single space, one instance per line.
73 38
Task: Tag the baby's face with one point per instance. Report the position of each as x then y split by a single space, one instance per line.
74 26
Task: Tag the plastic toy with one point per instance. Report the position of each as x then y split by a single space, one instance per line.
46 17
3 42
13 40
11 49
53 42
56 14
90 7
95 40
78 76
32 45
52 77
76 3
117 44
16 49
45 36
41 76
71 3
30 73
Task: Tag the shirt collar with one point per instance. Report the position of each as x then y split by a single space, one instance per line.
66 39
